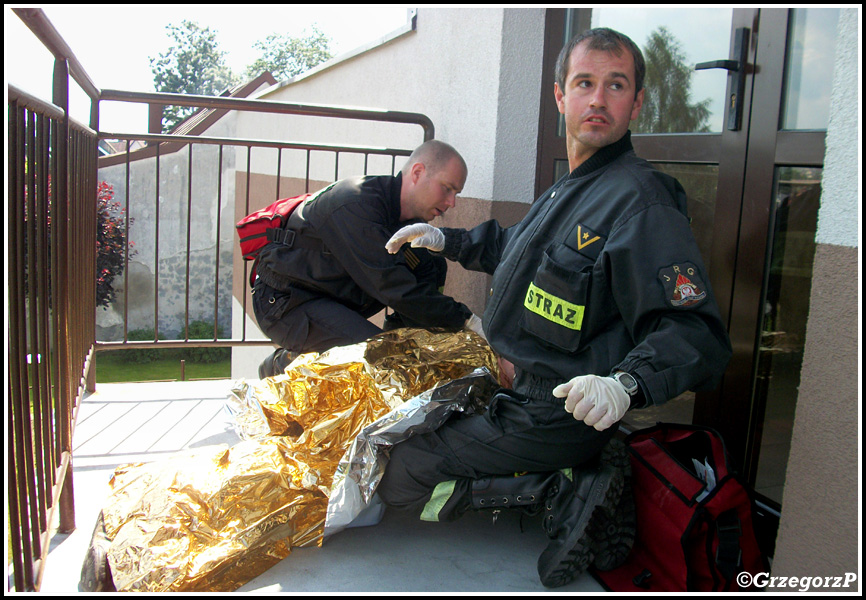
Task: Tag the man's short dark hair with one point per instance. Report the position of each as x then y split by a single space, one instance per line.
607 40
435 155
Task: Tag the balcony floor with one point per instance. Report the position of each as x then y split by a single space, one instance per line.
123 423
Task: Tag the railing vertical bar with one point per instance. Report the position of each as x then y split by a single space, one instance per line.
92 188
74 248
279 170
246 266
88 247
366 157
90 217
336 166
126 225
188 239
156 256
54 325
219 213
393 164
61 258
307 175
32 295
43 200
30 451
17 378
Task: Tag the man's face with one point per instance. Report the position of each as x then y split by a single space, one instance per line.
598 100
433 193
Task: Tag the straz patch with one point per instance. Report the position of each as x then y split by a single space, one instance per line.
553 309
682 284
585 241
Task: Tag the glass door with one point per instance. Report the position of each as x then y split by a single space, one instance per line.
736 107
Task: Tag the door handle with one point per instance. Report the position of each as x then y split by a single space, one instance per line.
736 68
727 65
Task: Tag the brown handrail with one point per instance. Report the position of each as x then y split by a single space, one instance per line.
316 110
217 141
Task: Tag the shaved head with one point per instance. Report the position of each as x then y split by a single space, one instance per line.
435 156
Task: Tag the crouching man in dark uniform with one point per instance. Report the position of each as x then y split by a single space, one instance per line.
601 302
317 290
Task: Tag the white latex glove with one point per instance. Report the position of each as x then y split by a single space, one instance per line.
597 401
473 323
421 235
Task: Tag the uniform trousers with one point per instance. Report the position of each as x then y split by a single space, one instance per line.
301 321
515 434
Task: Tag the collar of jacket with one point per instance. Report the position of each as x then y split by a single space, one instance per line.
603 156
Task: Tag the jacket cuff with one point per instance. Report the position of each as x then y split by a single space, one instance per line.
650 392
453 242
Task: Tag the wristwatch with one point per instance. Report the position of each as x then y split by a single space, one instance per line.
627 381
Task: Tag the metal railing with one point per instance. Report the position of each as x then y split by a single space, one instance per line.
215 203
51 251
52 234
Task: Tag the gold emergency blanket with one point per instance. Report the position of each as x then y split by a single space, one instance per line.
215 518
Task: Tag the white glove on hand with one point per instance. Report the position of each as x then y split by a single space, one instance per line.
421 235
597 401
473 323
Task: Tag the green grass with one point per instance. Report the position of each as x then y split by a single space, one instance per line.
113 368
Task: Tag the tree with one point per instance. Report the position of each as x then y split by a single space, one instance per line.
110 239
666 107
194 65
286 56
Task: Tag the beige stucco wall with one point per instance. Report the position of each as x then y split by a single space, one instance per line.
820 524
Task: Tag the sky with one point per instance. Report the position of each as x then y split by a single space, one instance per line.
113 43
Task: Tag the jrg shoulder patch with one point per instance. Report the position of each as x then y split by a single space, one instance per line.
683 286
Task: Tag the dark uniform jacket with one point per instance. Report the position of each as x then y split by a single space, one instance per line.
340 252
602 274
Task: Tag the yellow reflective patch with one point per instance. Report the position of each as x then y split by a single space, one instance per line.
441 494
553 309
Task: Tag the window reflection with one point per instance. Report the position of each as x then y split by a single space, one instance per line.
678 99
809 67
786 309
700 183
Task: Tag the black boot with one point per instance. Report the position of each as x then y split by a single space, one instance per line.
527 491
276 363
615 532
572 506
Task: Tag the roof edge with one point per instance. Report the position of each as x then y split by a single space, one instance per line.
409 27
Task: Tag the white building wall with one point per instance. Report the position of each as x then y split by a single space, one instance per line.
841 180
475 72
520 73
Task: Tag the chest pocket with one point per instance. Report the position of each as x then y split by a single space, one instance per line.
554 303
